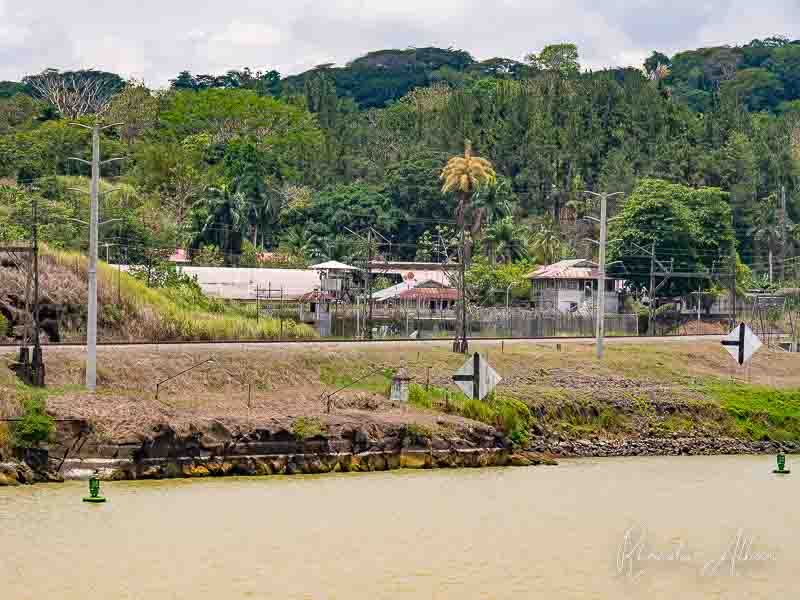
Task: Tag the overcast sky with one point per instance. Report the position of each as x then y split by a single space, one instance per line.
155 39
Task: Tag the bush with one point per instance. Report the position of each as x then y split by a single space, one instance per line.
209 256
418 397
514 418
35 427
5 326
6 441
305 428
419 434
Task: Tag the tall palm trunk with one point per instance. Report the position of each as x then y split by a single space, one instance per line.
460 344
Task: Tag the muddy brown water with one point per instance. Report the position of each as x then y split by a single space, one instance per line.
671 527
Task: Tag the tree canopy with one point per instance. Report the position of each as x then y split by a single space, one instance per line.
249 164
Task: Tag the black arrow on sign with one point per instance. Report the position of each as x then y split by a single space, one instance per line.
739 342
475 378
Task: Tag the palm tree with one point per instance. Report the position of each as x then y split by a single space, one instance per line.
507 240
227 219
339 248
491 204
464 175
299 241
547 243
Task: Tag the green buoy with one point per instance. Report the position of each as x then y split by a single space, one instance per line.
94 492
781 470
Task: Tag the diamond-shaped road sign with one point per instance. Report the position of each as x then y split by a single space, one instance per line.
741 343
476 378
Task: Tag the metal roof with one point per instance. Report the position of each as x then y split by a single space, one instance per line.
245 283
427 288
576 268
333 265
317 296
394 291
429 293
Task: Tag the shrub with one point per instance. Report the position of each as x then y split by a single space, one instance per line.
514 418
6 440
418 397
305 428
419 434
35 427
208 256
5 326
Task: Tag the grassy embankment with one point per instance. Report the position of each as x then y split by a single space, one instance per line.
129 310
639 390
678 388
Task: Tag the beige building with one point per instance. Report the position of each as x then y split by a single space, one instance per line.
571 286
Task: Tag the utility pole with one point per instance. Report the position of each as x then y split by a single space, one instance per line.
783 233
91 324
107 246
601 299
734 266
461 343
369 283
699 298
600 329
463 347
652 292
368 268
94 193
37 362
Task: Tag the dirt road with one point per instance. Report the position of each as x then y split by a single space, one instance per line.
398 344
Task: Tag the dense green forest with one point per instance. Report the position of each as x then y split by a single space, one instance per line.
251 168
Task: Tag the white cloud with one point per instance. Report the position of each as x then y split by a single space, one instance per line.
157 39
238 33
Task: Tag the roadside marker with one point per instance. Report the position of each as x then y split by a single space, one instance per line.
741 343
476 378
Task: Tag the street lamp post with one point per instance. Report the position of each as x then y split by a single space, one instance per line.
601 283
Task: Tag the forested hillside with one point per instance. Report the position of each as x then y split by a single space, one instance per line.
251 168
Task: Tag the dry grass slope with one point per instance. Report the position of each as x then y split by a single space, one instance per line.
129 310
639 390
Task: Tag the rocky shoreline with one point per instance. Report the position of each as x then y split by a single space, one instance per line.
299 464
171 456
672 446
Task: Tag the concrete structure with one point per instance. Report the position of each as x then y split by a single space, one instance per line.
246 284
571 286
337 279
180 257
400 386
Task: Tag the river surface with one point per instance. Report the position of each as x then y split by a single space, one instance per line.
590 528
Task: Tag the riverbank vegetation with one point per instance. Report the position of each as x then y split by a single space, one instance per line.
641 391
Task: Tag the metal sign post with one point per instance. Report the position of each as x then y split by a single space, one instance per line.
476 378
741 343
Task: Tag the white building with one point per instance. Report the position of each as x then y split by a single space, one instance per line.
571 286
248 283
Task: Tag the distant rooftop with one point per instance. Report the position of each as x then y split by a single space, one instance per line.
333 265
575 268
